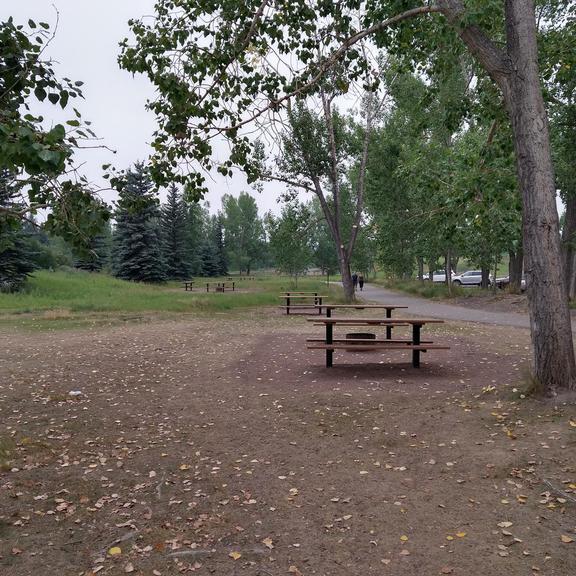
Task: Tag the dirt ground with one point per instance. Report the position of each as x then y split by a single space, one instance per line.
223 446
499 302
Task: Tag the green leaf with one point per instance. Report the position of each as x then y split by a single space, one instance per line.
40 93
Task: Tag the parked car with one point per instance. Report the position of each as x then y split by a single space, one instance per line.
470 278
505 280
438 276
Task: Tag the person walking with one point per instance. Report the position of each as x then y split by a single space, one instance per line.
355 280
361 282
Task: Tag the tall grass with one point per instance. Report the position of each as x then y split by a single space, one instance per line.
434 290
78 292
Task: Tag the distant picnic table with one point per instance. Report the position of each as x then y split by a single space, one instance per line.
220 286
415 343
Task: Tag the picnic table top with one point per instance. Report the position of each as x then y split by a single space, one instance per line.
368 321
360 306
294 292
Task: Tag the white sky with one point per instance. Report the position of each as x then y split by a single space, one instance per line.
86 48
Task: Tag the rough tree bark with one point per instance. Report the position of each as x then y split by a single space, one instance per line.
516 267
569 246
515 71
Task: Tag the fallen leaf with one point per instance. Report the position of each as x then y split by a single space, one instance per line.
294 570
129 568
566 539
115 550
404 538
235 555
268 543
461 534
505 524
446 570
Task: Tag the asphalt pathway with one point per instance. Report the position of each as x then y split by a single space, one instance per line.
432 309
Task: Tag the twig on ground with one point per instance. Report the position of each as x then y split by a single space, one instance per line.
559 491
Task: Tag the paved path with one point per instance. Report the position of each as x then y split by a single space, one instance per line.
433 309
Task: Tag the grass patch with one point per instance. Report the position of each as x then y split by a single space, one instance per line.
6 448
75 298
433 290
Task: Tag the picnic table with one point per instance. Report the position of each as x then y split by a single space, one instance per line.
415 343
220 286
188 285
330 307
291 296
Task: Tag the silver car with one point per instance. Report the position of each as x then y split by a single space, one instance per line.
470 278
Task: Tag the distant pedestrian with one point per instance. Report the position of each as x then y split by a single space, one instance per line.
361 282
355 280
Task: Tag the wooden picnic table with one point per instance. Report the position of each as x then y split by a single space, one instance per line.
291 297
330 307
415 343
188 285
220 286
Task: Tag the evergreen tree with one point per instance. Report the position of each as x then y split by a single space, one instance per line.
137 246
96 256
16 249
217 241
178 265
196 217
209 260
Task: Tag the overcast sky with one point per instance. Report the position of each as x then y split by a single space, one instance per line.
86 49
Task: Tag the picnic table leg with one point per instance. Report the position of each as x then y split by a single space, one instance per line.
233 286
416 341
207 287
287 305
388 328
328 312
329 340
319 303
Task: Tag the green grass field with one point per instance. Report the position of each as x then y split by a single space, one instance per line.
69 297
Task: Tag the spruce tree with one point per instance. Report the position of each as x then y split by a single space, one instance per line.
96 256
217 240
16 249
178 266
137 246
196 217
209 260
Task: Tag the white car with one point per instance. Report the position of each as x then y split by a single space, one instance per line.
437 276
470 278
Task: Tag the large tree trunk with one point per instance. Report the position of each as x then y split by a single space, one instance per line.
485 282
554 362
347 283
569 245
420 268
516 73
515 269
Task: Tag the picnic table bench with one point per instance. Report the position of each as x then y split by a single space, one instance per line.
415 344
290 297
188 285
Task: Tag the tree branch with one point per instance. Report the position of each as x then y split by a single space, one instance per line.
324 66
494 60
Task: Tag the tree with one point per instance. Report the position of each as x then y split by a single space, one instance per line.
291 238
41 157
226 49
173 228
137 244
243 230
95 255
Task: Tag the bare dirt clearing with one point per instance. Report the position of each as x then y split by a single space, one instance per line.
223 446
